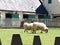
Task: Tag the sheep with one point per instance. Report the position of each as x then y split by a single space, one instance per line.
35 26
28 26
40 26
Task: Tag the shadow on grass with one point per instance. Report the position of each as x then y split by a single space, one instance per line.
36 33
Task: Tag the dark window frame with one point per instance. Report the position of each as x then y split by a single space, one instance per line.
28 16
49 1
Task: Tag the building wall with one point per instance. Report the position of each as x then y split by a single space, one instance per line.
53 7
2 17
17 22
10 22
20 16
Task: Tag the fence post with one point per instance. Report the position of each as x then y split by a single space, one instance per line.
36 40
57 41
0 42
16 39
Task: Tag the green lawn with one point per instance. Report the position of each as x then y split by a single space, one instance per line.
27 38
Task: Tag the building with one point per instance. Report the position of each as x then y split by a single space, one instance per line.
53 7
13 12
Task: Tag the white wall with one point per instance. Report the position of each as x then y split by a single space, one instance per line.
20 16
13 22
2 18
2 15
54 7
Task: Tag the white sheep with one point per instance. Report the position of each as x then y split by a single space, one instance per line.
28 26
40 26
35 26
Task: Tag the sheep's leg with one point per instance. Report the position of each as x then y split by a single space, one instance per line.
41 31
46 30
25 30
33 31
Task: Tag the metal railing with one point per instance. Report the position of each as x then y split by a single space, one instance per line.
17 22
10 23
51 22
48 22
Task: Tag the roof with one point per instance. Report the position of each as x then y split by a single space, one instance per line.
41 9
19 5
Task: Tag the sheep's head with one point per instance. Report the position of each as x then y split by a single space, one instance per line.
46 30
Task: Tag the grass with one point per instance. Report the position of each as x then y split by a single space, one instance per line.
27 38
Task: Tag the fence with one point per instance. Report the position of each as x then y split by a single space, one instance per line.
48 22
17 22
10 23
51 22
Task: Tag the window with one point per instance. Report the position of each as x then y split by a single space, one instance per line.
40 16
29 16
15 15
43 16
25 16
56 16
11 15
49 1
8 15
